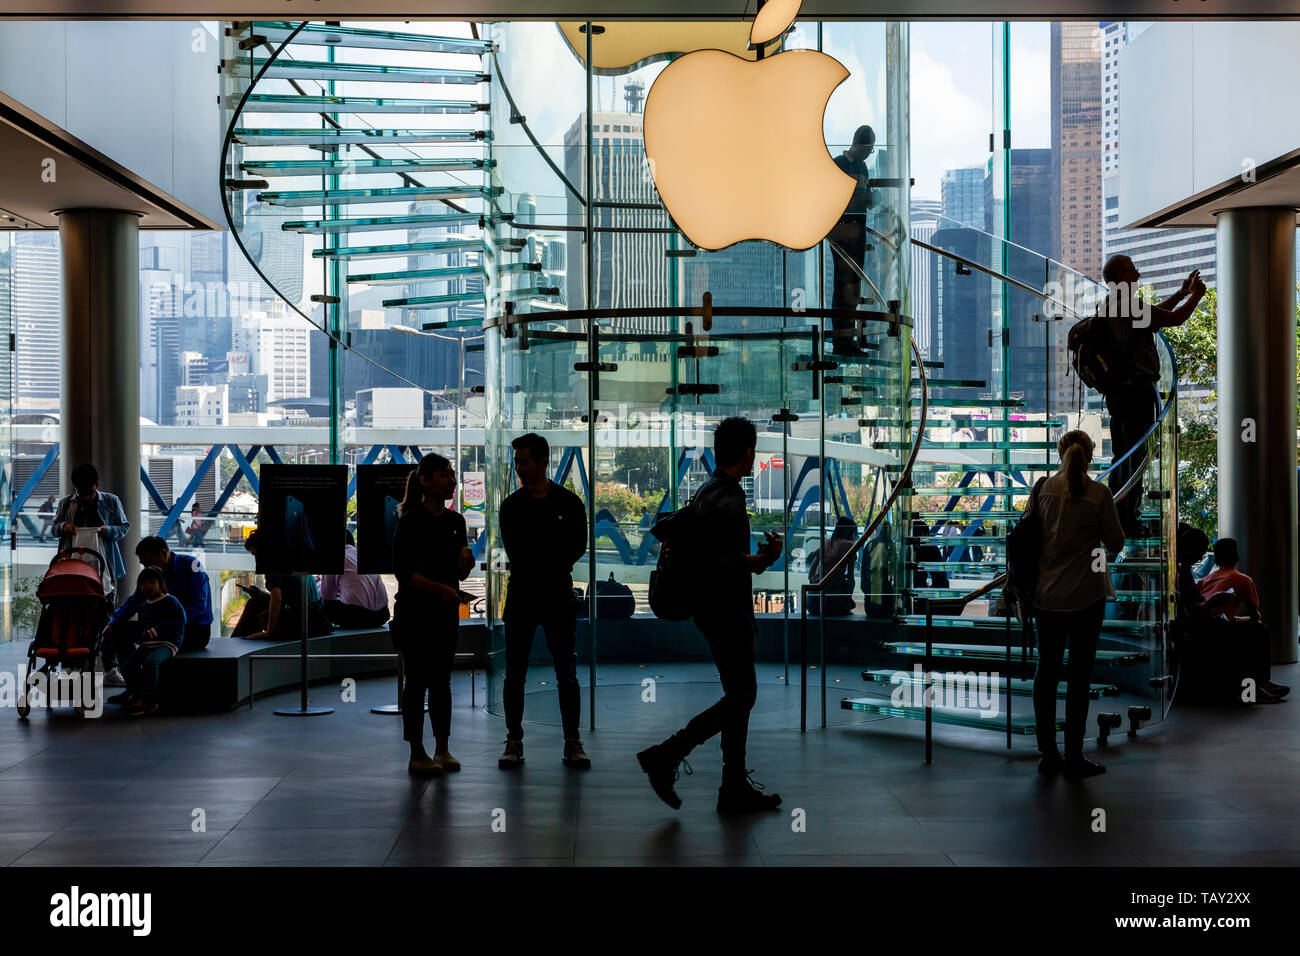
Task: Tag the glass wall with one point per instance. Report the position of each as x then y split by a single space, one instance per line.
378 225
629 400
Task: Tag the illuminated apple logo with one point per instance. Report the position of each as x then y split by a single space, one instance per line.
735 147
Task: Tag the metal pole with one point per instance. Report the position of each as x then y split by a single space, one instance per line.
926 683
304 710
592 379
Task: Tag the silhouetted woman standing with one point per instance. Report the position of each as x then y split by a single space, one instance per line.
431 557
1079 516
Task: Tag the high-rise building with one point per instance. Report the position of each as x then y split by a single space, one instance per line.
1024 260
923 223
36 305
631 269
280 349
202 406
963 196
1078 117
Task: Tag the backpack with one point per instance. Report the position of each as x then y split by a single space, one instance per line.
1024 555
674 593
1095 354
614 601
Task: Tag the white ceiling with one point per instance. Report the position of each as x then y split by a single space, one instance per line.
1276 184
32 190
645 9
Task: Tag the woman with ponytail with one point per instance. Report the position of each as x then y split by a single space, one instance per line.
1078 518
431 556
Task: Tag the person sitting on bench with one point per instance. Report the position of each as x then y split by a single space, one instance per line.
272 615
1226 591
185 580
354 600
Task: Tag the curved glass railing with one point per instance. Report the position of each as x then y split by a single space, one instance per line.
991 433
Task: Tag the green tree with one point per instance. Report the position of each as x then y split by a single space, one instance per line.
1196 347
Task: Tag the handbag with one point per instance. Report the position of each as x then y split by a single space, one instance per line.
1025 555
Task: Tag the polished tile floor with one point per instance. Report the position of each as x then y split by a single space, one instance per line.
1210 787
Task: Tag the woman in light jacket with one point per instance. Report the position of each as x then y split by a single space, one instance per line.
1079 517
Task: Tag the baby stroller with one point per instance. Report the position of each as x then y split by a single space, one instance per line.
74 612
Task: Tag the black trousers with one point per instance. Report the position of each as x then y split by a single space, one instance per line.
558 620
732 644
847 290
124 637
1081 630
1132 412
428 652
354 617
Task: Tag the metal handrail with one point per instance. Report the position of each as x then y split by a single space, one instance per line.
1133 478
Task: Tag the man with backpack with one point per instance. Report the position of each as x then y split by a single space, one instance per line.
1126 345
724 613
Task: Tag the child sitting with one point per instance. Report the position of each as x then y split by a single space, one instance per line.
162 628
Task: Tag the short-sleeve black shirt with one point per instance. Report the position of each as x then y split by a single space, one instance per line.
429 545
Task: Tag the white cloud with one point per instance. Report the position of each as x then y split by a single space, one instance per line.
950 123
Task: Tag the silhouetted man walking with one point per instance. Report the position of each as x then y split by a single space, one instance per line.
725 615
544 531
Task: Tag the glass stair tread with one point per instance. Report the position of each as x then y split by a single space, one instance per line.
959 444
417 275
292 103
359 167
1000 623
938 402
962 717
381 223
285 69
997 467
1019 687
949 423
343 197
997 652
267 136
1121 597
402 249
1116 567
434 301
322 34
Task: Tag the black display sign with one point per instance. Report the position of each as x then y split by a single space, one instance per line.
380 489
301 518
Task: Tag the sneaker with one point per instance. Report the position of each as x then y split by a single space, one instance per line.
574 755
662 769
114 678
1080 767
140 709
1265 696
1051 764
1277 690
513 755
447 762
424 766
125 697
745 795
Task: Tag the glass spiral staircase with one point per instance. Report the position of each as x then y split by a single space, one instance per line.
336 139
985 446
353 143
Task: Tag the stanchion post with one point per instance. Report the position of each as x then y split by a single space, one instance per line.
304 710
